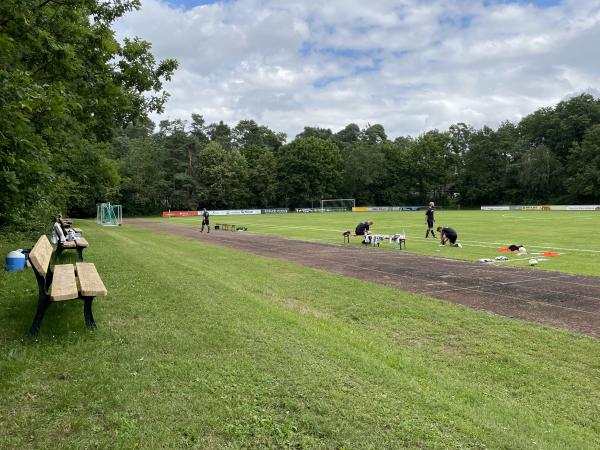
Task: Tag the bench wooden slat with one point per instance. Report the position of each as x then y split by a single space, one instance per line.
76 230
64 285
81 242
68 244
41 254
89 280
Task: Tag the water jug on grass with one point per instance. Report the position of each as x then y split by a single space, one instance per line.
15 261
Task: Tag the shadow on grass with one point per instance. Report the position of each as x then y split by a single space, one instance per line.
61 319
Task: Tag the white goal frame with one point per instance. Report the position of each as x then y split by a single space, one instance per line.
109 215
338 200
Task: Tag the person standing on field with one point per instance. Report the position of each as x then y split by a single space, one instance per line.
205 221
430 220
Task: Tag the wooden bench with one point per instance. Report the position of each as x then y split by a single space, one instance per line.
60 284
67 224
78 244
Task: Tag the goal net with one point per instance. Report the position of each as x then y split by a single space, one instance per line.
337 204
109 215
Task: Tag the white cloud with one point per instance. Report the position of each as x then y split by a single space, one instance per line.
408 65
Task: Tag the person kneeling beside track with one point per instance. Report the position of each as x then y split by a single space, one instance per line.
448 234
362 229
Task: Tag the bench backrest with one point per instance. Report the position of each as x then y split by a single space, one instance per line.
40 255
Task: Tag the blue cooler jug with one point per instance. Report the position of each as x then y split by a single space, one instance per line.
15 260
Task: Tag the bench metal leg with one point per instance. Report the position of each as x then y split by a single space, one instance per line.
59 250
87 312
80 253
43 304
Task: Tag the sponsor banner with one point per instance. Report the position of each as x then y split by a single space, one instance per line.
386 208
275 211
180 213
495 208
542 208
234 212
308 210
583 208
537 208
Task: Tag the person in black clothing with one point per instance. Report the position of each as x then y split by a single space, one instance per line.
362 229
450 235
205 221
429 219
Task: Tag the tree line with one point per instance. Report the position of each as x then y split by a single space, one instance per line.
550 156
74 131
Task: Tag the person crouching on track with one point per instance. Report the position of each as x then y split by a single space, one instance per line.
429 219
205 221
448 234
362 229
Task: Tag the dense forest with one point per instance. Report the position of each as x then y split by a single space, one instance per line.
74 131
550 156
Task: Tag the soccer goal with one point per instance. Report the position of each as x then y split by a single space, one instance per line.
109 215
337 204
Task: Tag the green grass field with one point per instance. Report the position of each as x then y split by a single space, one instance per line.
570 233
199 346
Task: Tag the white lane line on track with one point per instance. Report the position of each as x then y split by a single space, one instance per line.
471 243
484 243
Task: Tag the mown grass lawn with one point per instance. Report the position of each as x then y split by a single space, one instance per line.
205 347
482 233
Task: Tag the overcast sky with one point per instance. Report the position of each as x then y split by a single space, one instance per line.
410 65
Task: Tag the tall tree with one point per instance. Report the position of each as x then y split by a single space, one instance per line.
248 133
374 134
348 136
321 133
364 166
435 164
65 84
221 134
221 178
309 169
584 167
144 188
485 165
180 164
261 175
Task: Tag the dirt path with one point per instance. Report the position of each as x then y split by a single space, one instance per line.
552 298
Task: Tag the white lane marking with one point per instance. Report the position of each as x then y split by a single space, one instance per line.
471 243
